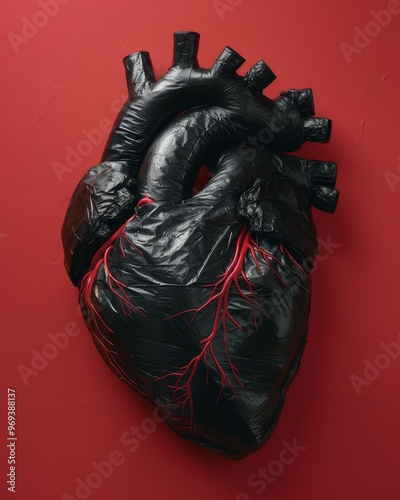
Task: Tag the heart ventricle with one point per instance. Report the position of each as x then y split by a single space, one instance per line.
198 296
213 334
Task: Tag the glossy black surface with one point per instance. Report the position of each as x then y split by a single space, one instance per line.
201 302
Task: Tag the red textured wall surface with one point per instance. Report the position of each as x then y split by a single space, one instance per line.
81 433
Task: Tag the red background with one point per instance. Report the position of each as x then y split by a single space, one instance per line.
66 79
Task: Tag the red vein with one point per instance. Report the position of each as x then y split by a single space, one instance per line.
219 296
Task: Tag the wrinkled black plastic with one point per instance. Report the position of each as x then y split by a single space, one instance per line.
201 302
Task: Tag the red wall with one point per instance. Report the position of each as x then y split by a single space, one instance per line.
64 79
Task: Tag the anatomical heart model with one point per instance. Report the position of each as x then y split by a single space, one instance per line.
200 302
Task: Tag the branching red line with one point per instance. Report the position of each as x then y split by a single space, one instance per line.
95 321
219 296
295 261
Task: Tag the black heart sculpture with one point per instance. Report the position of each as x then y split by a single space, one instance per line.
200 302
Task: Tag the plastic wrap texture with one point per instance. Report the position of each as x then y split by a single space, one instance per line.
200 302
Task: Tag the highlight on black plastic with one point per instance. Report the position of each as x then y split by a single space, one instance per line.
200 303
